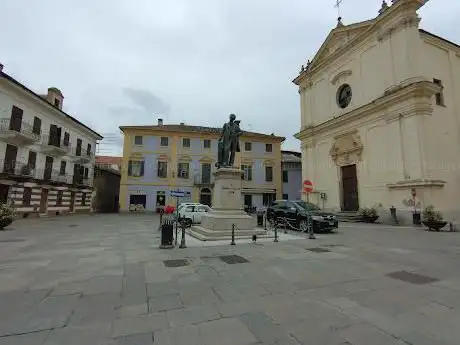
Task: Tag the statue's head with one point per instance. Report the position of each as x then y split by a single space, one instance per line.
232 117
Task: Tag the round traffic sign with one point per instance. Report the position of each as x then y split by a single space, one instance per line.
307 186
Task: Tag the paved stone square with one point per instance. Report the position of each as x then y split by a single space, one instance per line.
102 280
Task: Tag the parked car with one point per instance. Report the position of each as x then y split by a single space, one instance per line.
193 213
297 212
187 204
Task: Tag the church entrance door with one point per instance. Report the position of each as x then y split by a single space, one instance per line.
349 188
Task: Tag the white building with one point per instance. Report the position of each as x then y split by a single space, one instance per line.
46 155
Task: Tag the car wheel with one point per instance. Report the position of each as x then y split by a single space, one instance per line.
188 222
303 225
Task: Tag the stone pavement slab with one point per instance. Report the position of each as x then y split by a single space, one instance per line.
104 281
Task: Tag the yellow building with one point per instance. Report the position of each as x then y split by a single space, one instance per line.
164 157
380 116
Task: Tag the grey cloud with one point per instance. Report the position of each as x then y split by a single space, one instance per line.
121 62
146 100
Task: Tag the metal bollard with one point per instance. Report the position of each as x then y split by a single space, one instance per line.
265 223
161 220
285 221
182 241
276 234
233 235
175 237
311 231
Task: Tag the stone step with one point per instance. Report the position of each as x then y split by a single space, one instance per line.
352 217
204 234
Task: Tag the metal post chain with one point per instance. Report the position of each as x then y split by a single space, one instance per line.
233 235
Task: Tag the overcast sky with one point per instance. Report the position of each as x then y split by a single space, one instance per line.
125 62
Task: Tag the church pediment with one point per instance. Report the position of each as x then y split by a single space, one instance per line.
338 38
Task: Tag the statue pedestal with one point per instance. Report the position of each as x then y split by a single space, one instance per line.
227 211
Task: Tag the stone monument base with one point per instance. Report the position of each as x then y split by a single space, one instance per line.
227 211
218 226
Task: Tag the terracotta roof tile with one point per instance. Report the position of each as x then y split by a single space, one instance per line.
108 160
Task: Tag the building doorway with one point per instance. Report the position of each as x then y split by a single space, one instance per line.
44 201
138 199
206 196
161 199
4 189
350 200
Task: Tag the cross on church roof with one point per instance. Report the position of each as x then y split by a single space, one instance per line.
337 5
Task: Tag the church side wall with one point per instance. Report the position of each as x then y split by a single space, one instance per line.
442 129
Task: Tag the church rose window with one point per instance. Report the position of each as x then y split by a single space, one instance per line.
344 96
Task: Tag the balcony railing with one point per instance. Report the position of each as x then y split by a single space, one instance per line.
18 169
81 156
55 146
17 132
203 180
79 180
24 170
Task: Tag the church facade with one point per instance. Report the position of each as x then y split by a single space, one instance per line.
380 116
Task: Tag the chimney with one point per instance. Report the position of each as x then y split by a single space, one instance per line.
160 122
55 97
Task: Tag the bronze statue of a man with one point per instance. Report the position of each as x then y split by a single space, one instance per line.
229 142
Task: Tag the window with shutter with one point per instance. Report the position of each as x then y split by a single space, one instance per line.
269 174
32 161
78 149
16 119
136 168
162 171
88 150
58 137
183 170
66 141
37 128
62 168
85 174
52 135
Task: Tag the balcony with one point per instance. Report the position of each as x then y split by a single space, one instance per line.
18 169
81 157
17 133
55 177
54 146
79 180
203 180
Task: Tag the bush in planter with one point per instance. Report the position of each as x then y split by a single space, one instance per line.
369 214
6 215
433 219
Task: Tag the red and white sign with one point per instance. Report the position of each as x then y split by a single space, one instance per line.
307 186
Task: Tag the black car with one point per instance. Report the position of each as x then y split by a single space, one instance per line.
296 213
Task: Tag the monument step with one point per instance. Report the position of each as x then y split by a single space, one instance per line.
204 234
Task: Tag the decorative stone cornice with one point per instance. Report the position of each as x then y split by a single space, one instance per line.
418 183
341 75
347 149
423 90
